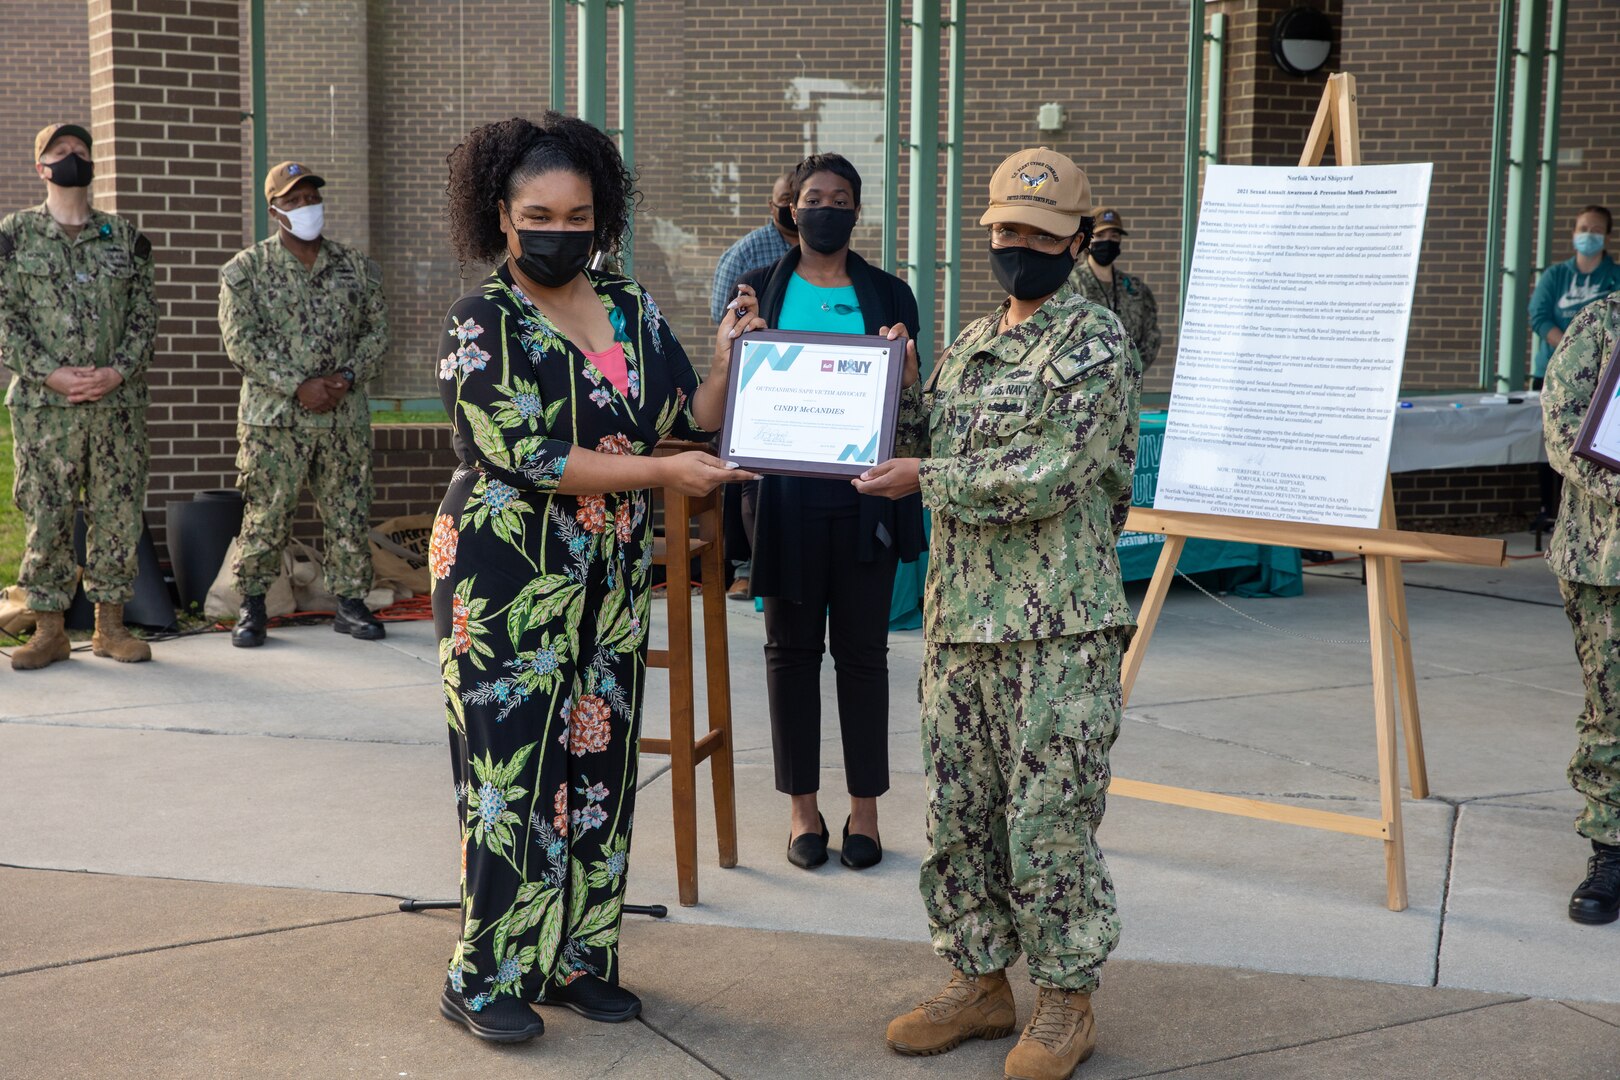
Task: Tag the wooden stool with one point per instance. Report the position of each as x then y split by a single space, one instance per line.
674 551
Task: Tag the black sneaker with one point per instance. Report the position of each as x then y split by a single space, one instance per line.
1597 899
507 1019
356 620
250 623
595 999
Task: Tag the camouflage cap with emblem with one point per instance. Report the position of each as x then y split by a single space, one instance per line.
1106 217
1042 188
281 179
49 133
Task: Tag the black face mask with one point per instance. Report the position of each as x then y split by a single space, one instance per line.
1030 275
71 171
1105 251
553 257
784 218
825 229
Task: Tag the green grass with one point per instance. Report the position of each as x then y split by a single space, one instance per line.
12 530
410 416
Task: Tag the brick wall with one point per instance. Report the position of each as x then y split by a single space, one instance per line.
166 119
44 65
376 93
1496 491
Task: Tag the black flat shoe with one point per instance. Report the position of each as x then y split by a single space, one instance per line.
507 1019
859 851
596 999
808 851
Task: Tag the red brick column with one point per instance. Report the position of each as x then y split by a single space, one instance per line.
165 105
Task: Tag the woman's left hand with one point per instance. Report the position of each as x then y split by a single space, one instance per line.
742 317
913 368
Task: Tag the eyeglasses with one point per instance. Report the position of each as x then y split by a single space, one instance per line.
1003 237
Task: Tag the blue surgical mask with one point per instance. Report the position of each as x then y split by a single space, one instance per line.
1588 243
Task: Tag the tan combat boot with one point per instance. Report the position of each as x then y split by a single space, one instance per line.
111 639
48 645
970 1006
1057 1038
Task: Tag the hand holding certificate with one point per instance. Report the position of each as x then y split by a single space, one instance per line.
811 404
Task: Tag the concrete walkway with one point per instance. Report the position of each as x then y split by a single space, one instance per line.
246 818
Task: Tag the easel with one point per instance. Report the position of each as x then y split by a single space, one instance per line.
674 551
1382 548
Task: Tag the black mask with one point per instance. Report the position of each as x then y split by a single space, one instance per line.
825 229
1104 251
784 218
71 171
1030 275
554 257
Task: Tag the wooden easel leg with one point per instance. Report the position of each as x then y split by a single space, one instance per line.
717 670
1379 571
1417 771
1148 617
683 770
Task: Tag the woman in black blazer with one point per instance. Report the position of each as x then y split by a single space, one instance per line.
822 551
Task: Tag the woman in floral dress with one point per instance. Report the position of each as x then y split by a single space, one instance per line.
559 381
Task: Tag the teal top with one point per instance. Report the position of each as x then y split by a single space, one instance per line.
1560 295
811 307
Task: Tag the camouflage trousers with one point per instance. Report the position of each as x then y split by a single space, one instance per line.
274 463
66 455
1594 771
1015 740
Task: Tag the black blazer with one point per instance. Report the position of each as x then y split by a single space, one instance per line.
778 522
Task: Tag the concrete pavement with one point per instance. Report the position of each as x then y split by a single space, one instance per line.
247 817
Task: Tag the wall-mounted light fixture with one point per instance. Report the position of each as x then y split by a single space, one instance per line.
1301 39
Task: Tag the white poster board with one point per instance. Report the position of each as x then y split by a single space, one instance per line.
1288 360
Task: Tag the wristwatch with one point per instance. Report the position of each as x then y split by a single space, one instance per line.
348 373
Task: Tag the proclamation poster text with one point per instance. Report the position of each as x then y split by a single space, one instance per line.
1288 361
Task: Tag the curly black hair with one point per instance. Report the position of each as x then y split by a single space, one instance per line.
495 159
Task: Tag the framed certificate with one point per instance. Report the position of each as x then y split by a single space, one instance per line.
802 403
1599 437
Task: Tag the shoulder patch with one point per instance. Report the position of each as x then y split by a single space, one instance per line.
234 274
8 247
374 273
143 246
1092 354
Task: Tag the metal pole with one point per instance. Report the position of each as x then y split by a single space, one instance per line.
1549 134
627 112
559 55
1189 173
892 24
953 173
1511 349
1493 230
922 201
1217 69
261 128
592 62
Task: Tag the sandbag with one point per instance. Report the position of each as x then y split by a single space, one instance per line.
224 601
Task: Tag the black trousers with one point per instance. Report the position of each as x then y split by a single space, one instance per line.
855 595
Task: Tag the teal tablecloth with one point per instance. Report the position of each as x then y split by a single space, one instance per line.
1244 569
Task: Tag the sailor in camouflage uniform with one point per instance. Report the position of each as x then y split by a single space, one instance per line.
303 317
77 321
1029 426
1098 280
1585 554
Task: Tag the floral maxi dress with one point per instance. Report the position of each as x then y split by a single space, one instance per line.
540 605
